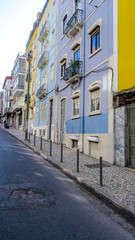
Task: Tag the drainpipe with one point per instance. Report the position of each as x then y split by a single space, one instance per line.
83 103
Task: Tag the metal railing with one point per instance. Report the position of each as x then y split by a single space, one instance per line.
76 18
74 69
43 60
42 91
44 31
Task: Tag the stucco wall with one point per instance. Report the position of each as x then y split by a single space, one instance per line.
120 135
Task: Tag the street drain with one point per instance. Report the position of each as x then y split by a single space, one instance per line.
27 194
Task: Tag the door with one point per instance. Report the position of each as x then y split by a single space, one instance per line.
131 136
63 121
51 118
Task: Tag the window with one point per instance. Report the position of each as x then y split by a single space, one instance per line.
52 73
63 67
95 40
44 110
53 37
76 104
77 54
77 4
31 46
53 8
95 98
74 144
34 63
35 41
36 118
64 23
33 85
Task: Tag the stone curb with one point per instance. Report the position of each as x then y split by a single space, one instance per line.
113 204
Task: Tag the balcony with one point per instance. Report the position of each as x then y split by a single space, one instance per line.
16 107
74 24
74 72
18 90
27 76
44 32
11 98
43 60
42 91
25 100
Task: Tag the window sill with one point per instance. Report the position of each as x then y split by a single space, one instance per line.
92 54
75 117
94 113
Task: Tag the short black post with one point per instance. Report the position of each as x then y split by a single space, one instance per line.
50 147
77 160
29 137
41 143
61 152
34 139
101 172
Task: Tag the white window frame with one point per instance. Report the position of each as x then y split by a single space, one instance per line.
52 73
98 23
75 98
53 38
94 87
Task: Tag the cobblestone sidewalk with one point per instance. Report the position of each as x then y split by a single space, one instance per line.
118 182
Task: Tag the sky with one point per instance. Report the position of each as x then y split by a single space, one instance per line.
16 22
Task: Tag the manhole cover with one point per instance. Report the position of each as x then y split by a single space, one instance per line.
97 165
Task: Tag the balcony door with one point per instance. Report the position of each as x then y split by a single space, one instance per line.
63 121
77 4
77 54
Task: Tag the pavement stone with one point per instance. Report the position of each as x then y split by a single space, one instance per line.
118 182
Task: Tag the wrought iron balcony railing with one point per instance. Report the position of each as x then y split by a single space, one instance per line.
74 24
42 91
25 99
43 60
73 71
44 32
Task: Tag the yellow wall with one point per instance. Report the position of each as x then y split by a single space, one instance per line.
126 44
33 72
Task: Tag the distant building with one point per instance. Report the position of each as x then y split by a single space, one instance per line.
31 46
19 72
46 68
6 100
1 106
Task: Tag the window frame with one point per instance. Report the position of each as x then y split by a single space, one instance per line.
75 99
63 68
94 87
51 73
64 23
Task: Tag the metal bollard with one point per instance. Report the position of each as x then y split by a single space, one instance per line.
77 160
61 152
34 139
41 143
29 137
101 172
50 147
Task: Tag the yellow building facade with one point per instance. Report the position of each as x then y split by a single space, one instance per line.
126 45
32 44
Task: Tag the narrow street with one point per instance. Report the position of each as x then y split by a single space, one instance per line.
38 203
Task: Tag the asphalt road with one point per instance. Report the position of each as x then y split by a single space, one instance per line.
39 203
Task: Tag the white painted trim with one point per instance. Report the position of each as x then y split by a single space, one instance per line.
115 44
74 137
93 139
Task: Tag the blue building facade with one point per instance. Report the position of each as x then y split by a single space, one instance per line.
85 77
46 65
